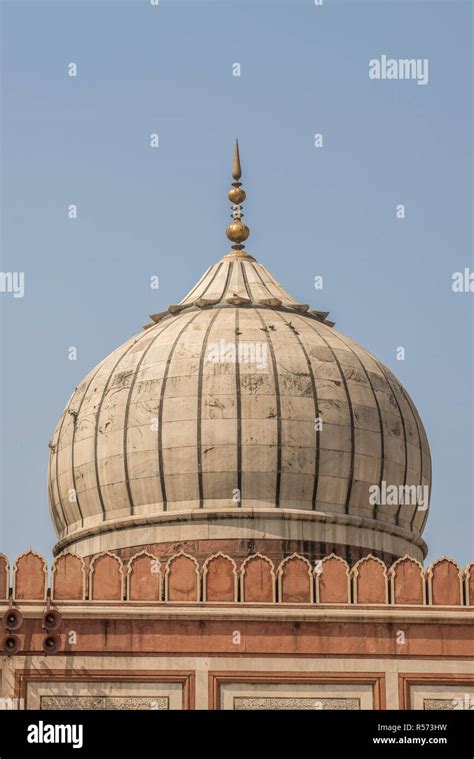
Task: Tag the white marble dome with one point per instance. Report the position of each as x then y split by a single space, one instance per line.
208 418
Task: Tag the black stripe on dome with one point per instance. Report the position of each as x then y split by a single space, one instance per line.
200 281
262 281
51 489
238 395
382 369
211 280
59 526
160 410
278 409
417 423
246 282
351 412
230 269
199 408
382 436
73 470
127 412
97 420
316 416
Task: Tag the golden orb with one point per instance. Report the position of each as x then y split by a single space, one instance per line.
236 195
237 232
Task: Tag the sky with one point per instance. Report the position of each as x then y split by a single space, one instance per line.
327 211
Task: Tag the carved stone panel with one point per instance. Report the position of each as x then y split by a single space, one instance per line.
105 703
308 704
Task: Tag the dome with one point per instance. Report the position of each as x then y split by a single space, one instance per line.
238 411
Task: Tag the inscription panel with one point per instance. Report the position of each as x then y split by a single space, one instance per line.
104 703
261 696
439 703
306 704
117 695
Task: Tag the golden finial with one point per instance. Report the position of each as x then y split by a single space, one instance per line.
237 231
236 168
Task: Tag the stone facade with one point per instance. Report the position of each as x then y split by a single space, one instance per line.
227 633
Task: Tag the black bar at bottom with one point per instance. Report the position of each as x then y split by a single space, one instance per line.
337 733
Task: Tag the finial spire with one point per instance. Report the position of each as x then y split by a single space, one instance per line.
237 231
236 168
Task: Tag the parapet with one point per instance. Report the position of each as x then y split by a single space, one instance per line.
220 579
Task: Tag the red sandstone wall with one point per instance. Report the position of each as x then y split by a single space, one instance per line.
224 579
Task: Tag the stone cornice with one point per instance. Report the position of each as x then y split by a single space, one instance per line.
205 516
202 612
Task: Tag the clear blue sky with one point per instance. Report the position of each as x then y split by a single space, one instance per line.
144 211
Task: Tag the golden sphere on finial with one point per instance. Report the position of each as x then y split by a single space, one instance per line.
236 195
237 231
